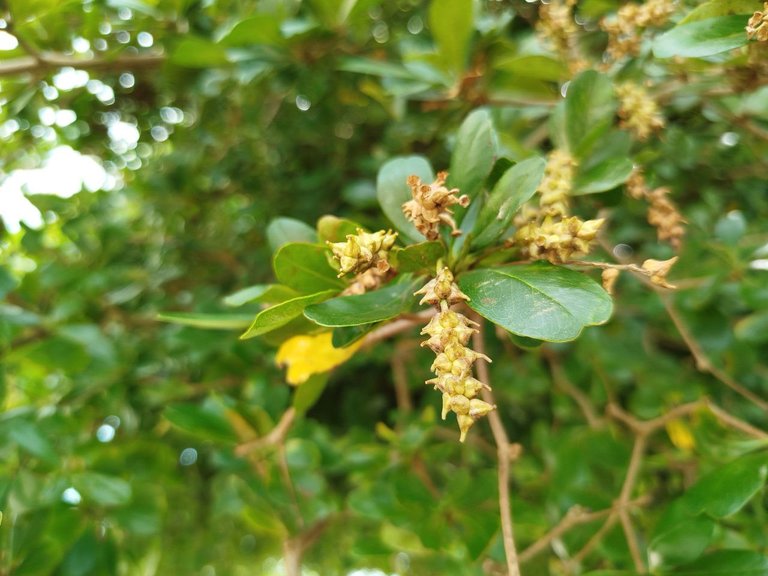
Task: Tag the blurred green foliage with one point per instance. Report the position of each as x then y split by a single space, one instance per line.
129 446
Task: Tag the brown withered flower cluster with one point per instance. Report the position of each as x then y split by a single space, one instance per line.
549 232
625 29
639 112
662 212
757 27
364 254
431 205
449 332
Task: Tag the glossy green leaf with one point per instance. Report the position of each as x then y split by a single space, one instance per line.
333 229
208 321
306 268
420 257
345 335
715 8
196 52
535 66
702 38
281 314
258 29
451 23
381 68
375 306
681 541
726 562
207 421
590 106
516 186
604 176
392 191
539 300
282 231
270 293
102 489
474 153
727 489
308 393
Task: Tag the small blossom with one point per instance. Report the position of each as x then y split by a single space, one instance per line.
430 205
757 27
362 251
639 113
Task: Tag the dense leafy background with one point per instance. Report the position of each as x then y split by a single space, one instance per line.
119 434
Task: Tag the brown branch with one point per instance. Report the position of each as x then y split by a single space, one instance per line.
505 452
42 62
561 381
574 517
703 362
400 377
274 438
400 325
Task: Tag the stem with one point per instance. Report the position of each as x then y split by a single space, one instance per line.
504 453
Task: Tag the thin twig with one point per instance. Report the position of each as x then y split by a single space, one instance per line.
42 62
703 363
398 326
274 438
504 453
400 377
561 381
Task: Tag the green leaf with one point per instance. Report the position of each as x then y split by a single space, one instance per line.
30 439
282 231
515 187
333 229
538 300
535 66
726 490
207 421
343 336
702 38
7 282
270 293
376 306
308 393
603 177
474 154
392 190
208 321
753 328
281 314
452 23
196 52
102 489
680 539
305 268
258 29
420 257
726 563
381 68
715 8
590 106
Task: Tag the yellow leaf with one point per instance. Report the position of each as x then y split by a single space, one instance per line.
681 435
306 355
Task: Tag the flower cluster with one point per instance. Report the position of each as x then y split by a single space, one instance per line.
365 255
662 212
639 113
550 232
363 251
757 27
431 204
449 332
624 31
557 25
